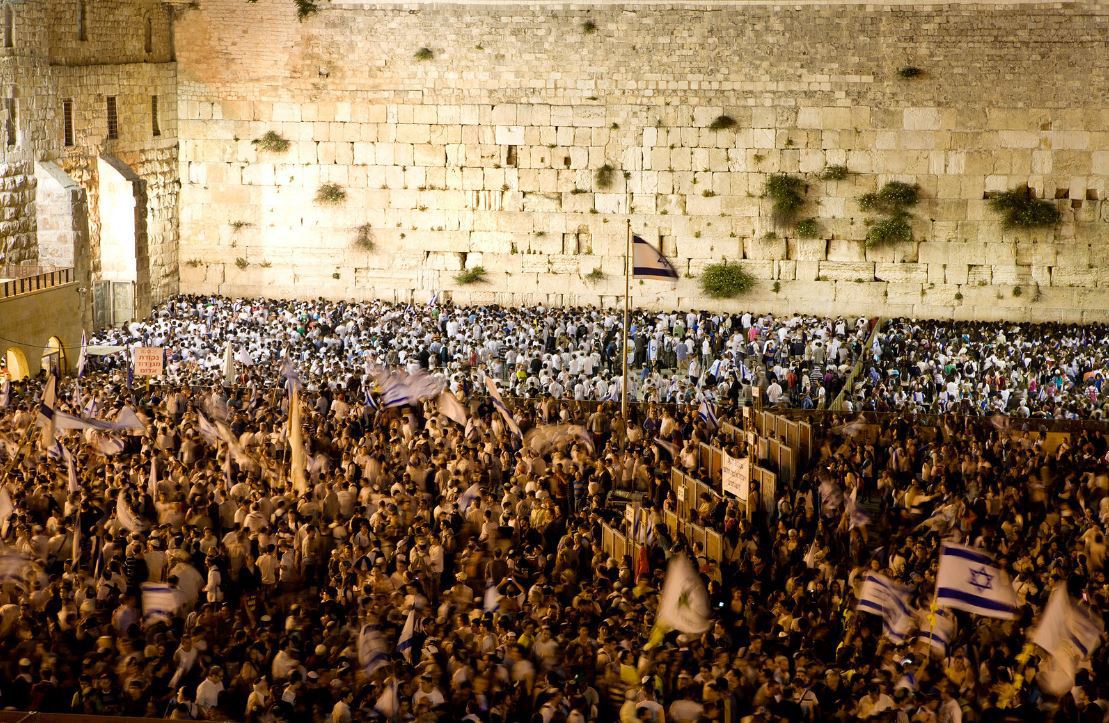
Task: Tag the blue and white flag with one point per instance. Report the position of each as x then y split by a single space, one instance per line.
71 470
388 703
406 641
936 628
399 389
14 566
207 429
127 516
707 413
46 412
495 396
969 579
159 601
371 399
856 515
372 653
881 596
467 498
649 263
452 409
84 357
1069 632
289 374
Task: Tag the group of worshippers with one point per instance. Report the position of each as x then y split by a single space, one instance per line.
674 357
1057 371
289 547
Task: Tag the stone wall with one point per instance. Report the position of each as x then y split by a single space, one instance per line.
487 153
125 51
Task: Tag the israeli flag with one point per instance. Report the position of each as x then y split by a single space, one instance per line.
649 263
969 579
937 629
84 357
885 598
159 601
289 374
371 649
495 396
406 641
707 413
467 498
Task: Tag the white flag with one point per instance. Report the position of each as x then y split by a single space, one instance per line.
228 365
152 481
684 604
467 498
548 436
969 579
46 412
371 648
126 515
71 470
5 392
6 507
296 445
1069 632
881 596
388 703
452 409
83 358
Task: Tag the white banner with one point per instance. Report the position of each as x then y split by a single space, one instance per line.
736 476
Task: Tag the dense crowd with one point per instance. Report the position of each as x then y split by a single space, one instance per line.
972 367
435 570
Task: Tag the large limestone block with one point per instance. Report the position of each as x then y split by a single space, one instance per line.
846 251
808 249
764 247
903 293
843 271
901 273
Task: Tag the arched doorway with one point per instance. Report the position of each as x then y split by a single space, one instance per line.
53 357
16 364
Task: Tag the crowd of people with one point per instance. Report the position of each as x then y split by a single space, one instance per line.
437 570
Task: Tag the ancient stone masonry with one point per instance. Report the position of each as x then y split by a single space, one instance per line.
70 66
484 150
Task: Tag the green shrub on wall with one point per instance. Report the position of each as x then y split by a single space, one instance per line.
833 173
1019 209
890 230
808 228
722 122
331 194
721 281
272 142
893 197
605 176
470 276
787 192
306 8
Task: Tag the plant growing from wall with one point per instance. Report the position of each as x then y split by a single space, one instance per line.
306 8
589 27
193 263
605 176
787 193
595 275
240 225
241 262
891 200
1020 209
722 122
833 173
893 197
909 72
271 142
807 228
424 54
721 281
364 239
331 194
890 230
470 276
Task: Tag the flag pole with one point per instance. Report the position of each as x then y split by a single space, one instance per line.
627 313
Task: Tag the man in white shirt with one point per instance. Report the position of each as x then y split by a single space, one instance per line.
207 693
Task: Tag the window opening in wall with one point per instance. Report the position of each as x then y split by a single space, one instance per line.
154 115
113 118
9 26
148 40
11 121
82 13
67 122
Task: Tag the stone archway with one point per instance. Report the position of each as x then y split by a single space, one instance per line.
16 364
53 356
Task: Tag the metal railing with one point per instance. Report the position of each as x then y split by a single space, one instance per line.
28 279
